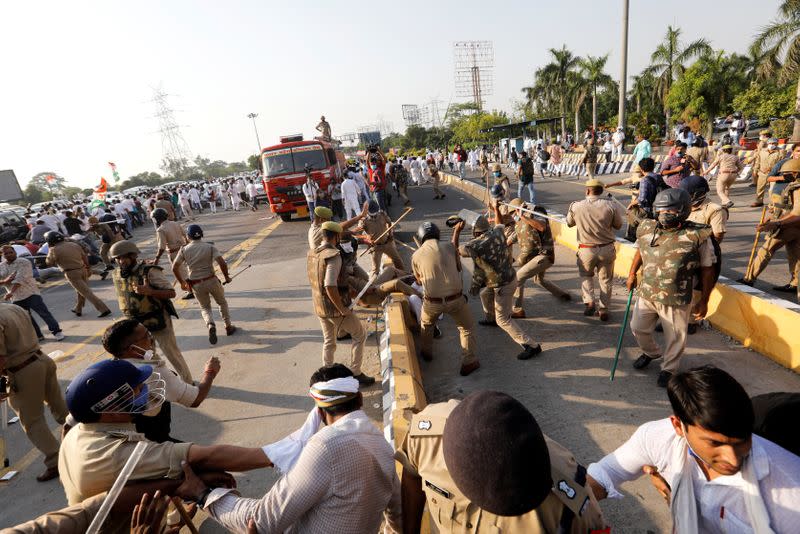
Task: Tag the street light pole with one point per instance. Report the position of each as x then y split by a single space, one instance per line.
623 77
253 116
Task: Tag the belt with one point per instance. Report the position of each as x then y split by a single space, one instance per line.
442 300
195 282
583 245
23 365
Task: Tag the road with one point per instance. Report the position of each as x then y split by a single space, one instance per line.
261 393
557 193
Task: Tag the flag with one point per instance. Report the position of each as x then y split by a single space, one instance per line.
50 178
114 171
103 187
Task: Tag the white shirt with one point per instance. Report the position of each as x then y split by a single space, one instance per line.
175 389
194 194
252 191
310 191
777 470
350 190
24 277
51 221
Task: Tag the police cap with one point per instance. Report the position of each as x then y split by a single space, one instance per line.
123 248
594 182
194 231
492 425
323 212
496 167
517 202
332 227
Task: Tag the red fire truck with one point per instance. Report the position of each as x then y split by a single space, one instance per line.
284 172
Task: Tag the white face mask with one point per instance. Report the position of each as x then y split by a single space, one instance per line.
771 147
147 355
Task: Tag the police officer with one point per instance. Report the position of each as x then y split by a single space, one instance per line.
399 176
536 254
784 230
31 381
501 180
763 161
597 219
107 238
331 295
144 294
375 227
671 252
437 268
199 258
323 214
73 262
169 237
166 204
532 484
729 168
494 273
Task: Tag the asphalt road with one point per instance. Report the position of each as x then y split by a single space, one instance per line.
260 394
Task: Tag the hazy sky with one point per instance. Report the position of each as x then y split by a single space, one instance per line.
79 76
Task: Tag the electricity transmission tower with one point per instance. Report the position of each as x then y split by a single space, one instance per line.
175 153
474 61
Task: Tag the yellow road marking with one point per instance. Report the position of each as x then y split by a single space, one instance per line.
243 249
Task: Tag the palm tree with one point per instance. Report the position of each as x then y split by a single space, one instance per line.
669 62
642 89
577 89
556 74
778 44
592 70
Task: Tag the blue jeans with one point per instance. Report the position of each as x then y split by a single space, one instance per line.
462 169
35 303
380 198
531 191
311 206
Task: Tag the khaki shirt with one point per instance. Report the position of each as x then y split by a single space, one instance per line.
24 277
436 267
713 215
70 520
421 453
199 258
597 218
169 236
765 160
314 236
67 255
167 205
18 340
699 153
93 454
795 202
375 226
729 163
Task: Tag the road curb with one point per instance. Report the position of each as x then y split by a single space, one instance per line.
761 322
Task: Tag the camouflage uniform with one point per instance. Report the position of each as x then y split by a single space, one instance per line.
536 255
400 176
495 273
669 267
590 159
715 216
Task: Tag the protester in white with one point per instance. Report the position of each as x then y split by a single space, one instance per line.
236 200
51 221
362 187
350 192
224 195
239 188
415 171
618 142
252 192
473 159
183 200
717 476
210 196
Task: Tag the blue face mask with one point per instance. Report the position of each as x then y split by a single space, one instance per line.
373 167
497 174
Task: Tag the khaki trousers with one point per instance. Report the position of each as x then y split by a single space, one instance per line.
590 168
484 172
350 324
203 293
30 388
498 305
390 250
724 182
535 268
403 192
436 190
104 248
674 320
761 185
77 278
459 311
788 237
168 345
600 261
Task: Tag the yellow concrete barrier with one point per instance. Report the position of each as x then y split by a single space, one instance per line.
766 324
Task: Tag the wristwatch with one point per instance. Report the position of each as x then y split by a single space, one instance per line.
201 500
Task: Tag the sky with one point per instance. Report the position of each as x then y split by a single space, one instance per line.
79 76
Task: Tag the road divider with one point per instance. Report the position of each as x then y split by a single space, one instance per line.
760 321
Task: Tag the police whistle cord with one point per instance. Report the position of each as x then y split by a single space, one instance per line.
240 272
755 245
534 213
363 290
621 335
406 212
115 490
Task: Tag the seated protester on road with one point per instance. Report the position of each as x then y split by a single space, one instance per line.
532 484
104 398
340 478
389 280
129 340
718 475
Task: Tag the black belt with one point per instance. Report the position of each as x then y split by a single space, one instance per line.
443 300
23 365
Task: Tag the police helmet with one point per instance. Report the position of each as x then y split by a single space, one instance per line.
793 165
52 237
696 186
373 207
427 230
480 225
159 215
674 199
123 248
497 191
194 231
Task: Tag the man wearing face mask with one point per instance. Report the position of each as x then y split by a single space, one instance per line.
716 475
678 166
763 160
672 253
500 179
129 340
145 294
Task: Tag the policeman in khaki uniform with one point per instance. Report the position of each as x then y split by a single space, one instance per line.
437 268
144 294
763 161
323 214
532 485
73 262
729 168
536 254
31 382
598 218
434 172
169 237
672 253
165 203
199 259
494 273
330 292
374 226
